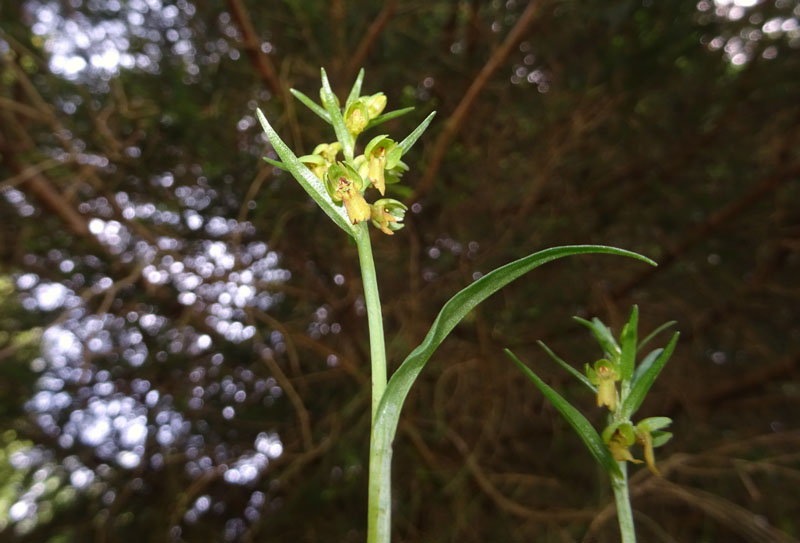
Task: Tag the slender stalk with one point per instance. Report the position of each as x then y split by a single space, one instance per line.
379 505
374 316
622 498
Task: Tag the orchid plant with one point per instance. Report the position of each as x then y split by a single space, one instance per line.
342 182
619 386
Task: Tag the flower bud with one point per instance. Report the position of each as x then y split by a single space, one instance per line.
356 117
316 164
328 151
375 104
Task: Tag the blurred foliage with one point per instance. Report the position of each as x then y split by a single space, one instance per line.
183 347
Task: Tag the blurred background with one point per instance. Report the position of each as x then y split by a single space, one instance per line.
183 339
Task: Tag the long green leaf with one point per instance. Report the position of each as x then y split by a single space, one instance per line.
603 335
575 373
645 364
311 104
654 333
388 414
312 185
277 163
388 116
627 340
329 101
387 417
642 385
412 138
579 423
355 92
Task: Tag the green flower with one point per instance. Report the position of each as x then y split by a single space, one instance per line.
620 442
316 164
345 185
382 154
604 375
387 215
323 156
356 116
328 151
649 436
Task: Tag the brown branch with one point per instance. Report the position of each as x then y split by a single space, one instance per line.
458 116
22 109
291 393
369 38
29 172
751 526
253 46
505 503
54 202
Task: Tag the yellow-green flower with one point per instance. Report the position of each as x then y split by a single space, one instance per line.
328 151
375 104
345 185
356 116
604 375
316 164
387 215
382 154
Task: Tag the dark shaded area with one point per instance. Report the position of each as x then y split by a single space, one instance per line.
183 345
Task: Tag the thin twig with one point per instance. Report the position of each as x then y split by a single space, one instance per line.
458 116
291 393
253 45
375 29
29 172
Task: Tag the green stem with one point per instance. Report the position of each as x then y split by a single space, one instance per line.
379 506
374 317
622 498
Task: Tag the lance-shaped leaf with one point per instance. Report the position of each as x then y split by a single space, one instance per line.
312 185
388 414
332 107
645 364
355 91
582 427
603 335
311 104
654 333
277 163
661 438
627 340
412 138
575 373
389 115
641 386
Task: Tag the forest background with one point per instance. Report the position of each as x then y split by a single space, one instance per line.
183 347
